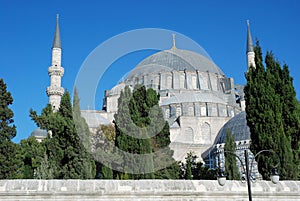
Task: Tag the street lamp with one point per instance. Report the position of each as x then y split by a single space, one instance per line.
274 172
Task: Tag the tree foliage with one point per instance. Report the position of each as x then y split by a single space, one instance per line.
81 126
230 159
142 131
272 115
65 155
9 159
196 170
32 153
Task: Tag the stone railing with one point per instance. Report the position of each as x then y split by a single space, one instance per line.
183 190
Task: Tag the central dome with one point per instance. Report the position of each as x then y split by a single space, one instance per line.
174 60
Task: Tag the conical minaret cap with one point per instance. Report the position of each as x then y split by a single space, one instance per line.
56 40
250 47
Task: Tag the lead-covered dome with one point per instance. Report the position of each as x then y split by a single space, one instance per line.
174 60
238 128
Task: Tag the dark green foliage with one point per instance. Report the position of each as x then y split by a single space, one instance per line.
230 159
32 153
65 156
107 172
190 166
193 169
142 131
9 159
272 116
131 137
173 171
81 126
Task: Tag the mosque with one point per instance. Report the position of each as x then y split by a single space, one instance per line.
197 99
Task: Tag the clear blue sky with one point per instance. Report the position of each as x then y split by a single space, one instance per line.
27 29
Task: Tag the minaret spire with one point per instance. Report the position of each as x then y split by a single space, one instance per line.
249 39
56 40
250 48
55 71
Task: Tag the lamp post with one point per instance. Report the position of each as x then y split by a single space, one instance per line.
274 173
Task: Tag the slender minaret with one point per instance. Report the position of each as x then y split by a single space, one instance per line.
250 48
55 71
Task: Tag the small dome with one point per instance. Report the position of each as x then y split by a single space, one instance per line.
39 133
238 127
174 60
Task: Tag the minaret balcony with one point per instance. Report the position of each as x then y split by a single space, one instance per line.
56 70
53 90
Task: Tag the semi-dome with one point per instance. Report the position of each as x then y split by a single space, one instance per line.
238 128
174 60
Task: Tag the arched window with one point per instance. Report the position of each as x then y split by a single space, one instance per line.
206 133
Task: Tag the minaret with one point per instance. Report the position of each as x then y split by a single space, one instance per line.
55 71
250 48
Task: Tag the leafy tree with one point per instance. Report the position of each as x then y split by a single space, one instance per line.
230 160
32 153
193 169
66 156
9 158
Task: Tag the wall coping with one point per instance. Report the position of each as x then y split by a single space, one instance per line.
145 190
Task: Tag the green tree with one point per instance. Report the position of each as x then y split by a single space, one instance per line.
290 111
194 169
266 114
131 117
32 153
142 130
9 159
190 166
66 157
81 126
230 159
104 139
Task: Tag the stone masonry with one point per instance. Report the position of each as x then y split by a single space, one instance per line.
163 190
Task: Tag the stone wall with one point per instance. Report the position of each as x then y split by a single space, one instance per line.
123 190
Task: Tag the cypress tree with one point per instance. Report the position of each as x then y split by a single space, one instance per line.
230 160
265 105
81 126
9 159
142 130
290 110
130 135
189 160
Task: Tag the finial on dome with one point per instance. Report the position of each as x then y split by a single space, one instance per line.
174 42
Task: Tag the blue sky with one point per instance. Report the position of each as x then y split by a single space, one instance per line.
27 28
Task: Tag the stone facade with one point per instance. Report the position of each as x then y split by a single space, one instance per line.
162 190
197 99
